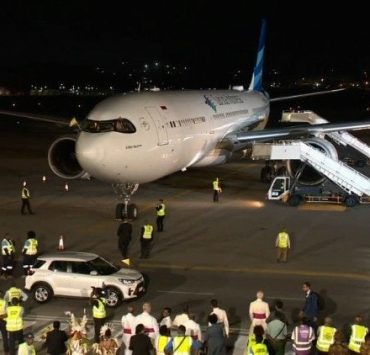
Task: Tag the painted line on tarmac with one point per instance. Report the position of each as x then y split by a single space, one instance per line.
322 207
250 270
188 293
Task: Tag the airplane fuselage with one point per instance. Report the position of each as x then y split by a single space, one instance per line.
169 131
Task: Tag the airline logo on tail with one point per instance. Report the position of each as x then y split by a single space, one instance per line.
256 82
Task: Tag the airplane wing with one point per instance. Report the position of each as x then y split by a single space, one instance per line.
43 118
299 131
282 98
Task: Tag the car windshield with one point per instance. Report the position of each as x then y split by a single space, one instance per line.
102 267
122 125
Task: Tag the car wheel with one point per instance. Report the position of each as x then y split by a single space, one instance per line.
114 297
42 293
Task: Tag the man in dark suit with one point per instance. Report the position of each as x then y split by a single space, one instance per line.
55 340
310 308
140 343
124 234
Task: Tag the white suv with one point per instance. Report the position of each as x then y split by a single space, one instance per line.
76 273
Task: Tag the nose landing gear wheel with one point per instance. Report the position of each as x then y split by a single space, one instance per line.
131 213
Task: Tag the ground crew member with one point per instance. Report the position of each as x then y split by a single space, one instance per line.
161 213
7 252
258 332
283 245
146 239
216 189
182 344
358 333
99 314
15 292
162 340
303 336
259 311
26 196
4 334
29 252
14 325
27 348
128 328
325 336
259 348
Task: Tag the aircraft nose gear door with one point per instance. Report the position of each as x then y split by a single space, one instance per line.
160 123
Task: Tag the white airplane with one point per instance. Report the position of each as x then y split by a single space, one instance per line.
136 138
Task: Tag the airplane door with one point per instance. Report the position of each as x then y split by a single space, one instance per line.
160 123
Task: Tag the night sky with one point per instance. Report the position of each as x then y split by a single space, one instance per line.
303 37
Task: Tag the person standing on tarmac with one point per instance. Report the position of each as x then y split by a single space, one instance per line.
146 239
216 189
283 245
29 252
15 292
4 334
26 196
7 252
161 213
14 324
358 334
124 234
99 312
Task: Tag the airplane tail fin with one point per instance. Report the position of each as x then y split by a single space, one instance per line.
256 82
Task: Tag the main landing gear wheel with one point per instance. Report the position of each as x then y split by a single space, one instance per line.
131 213
125 209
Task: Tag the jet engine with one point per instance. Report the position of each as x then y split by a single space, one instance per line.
309 175
62 159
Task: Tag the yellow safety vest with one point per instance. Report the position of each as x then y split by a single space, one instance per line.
148 231
326 338
14 292
25 193
283 240
99 312
162 211
216 185
25 349
14 321
31 246
259 349
162 342
2 307
357 337
7 244
185 346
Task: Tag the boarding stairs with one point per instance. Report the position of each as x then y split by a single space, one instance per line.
342 137
347 178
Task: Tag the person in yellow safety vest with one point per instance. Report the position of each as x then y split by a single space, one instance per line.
325 336
258 332
358 333
27 348
15 292
4 334
26 196
216 189
162 340
283 245
182 344
99 314
14 325
259 348
7 252
29 252
161 213
146 239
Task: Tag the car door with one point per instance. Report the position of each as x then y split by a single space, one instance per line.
59 277
83 278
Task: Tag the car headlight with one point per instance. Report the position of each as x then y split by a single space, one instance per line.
126 282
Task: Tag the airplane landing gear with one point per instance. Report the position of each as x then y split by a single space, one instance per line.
124 192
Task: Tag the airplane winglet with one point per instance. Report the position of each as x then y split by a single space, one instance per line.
256 82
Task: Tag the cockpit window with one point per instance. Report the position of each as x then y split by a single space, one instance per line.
122 125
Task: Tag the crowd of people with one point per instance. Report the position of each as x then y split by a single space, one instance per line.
143 334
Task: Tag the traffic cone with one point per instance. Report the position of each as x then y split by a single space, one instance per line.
126 261
61 244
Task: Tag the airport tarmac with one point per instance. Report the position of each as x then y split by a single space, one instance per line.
222 250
